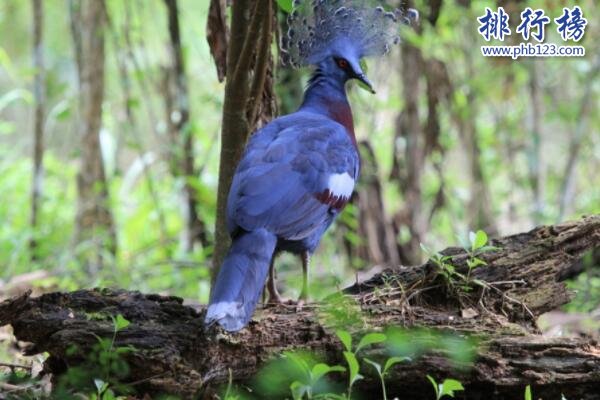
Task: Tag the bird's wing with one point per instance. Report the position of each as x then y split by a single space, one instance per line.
292 176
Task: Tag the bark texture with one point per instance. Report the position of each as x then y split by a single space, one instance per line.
95 233
175 354
39 91
248 98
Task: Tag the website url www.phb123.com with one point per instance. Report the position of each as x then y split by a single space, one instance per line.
533 50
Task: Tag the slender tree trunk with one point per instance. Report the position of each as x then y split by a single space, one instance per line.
480 202
377 239
480 214
182 139
567 192
420 140
95 230
39 90
408 165
536 166
248 59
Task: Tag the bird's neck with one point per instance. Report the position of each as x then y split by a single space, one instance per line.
327 95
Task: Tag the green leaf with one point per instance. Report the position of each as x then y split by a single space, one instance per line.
109 395
285 5
375 365
479 240
120 323
298 390
370 338
100 385
345 338
298 360
528 392
435 386
475 262
319 370
353 366
486 249
449 387
390 362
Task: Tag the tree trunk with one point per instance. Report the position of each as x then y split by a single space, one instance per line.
374 232
182 139
95 233
248 59
567 192
39 90
409 165
174 353
536 162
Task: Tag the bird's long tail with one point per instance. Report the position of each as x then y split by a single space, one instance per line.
241 280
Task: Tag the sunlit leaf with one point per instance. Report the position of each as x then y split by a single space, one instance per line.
319 370
370 338
390 362
120 323
449 386
435 386
345 338
285 5
479 240
352 366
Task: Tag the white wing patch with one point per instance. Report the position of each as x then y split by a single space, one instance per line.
340 185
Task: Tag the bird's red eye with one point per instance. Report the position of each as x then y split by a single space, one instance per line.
343 64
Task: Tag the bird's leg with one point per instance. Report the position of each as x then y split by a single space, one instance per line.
274 296
304 293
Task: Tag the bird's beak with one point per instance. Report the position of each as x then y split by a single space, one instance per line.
363 78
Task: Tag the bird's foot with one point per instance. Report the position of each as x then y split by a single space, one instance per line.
277 300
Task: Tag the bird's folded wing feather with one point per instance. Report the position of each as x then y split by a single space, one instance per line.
291 177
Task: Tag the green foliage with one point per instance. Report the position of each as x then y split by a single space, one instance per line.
102 371
389 363
478 244
446 388
285 5
528 393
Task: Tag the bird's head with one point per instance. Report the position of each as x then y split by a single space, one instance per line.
342 63
335 35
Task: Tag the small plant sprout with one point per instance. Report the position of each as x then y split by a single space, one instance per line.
477 244
446 388
305 386
350 355
528 392
390 362
228 393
